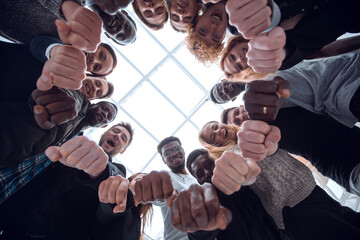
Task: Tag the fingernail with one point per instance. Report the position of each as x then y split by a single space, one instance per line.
37 111
50 153
270 143
45 79
225 217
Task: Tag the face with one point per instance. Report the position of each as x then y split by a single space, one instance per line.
101 114
174 156
153 11
94 87
120 27
100 62
211 26
182 13
236 60
226 91
115 140
237 116
218 134
202 168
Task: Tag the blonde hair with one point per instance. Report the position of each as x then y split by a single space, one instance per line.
215 151
246 75
203 53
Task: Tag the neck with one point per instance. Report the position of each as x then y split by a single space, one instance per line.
182 171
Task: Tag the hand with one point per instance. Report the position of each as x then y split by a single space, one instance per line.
198 208
112 6
257 139
266 51
262 99
232 171
153 186
80 153
250 17
114 190
83 27
65 69
54 107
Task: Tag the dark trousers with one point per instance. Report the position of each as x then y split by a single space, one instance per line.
320 217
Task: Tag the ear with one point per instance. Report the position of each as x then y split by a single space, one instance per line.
234 99
123 151
125 12
106 34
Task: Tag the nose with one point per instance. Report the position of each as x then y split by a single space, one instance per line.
151 4
181 11
116 137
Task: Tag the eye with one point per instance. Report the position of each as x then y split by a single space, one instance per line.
101 54
216 38
232 57
98 93
175 17
97 67
98 83
147 14
239 67
159 10
202 31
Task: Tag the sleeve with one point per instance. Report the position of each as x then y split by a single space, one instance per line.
39 46
54 6
203 235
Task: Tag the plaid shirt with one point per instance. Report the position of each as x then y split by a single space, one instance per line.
15 177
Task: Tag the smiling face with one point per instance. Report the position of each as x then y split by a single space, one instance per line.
115 140
182 13
211 26
202 168
94 87
226 91
174 156
101 114
101 62
236 60
120 27
218 134
237 116
153 11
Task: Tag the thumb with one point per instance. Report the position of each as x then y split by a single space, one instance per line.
277 32
63 30
41 117
53 153
283 89
44 82
170 199
120 207
223 218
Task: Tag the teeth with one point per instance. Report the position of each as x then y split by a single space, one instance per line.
113 23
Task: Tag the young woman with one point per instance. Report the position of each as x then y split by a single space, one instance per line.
288 191
153 13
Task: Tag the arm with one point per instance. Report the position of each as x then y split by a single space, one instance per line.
41 45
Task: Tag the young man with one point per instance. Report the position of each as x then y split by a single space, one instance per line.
116 139
226 91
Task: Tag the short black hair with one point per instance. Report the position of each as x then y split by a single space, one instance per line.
116 109
212 98
128 127
224 114
193 155
166 141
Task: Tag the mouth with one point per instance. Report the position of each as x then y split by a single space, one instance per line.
110 143
113 23
87 88
89 59
217 15
182 3
99 117
225 133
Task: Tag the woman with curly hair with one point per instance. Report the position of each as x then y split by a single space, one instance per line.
153 13
286 189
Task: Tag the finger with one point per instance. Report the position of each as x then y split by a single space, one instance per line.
68 147
265 70
211 201
44 82
254 171
75 157
273 137
139 192
101 191
121 194
67 83
105 189
176 216
112 190
147 190
42 118
99 164
261 116
186 217
74 63
157 190
283 86
257 29
171 199
251 136
198 211
167 187
274 39
53 153
60 69
271 111
262 86
257 22
256 126
223 218
63 30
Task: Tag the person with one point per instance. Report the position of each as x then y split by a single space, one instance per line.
62 201
96 87
116 139
111 7
288 193
249 218
102 62
225 91
206 35
183 13
234 115
119 27
22 21
154 13
308 28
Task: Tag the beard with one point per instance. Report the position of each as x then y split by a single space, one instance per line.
178 169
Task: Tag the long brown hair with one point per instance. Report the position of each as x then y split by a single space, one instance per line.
145 210
215 151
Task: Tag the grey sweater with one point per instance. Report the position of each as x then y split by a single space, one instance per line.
283 181
21 20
